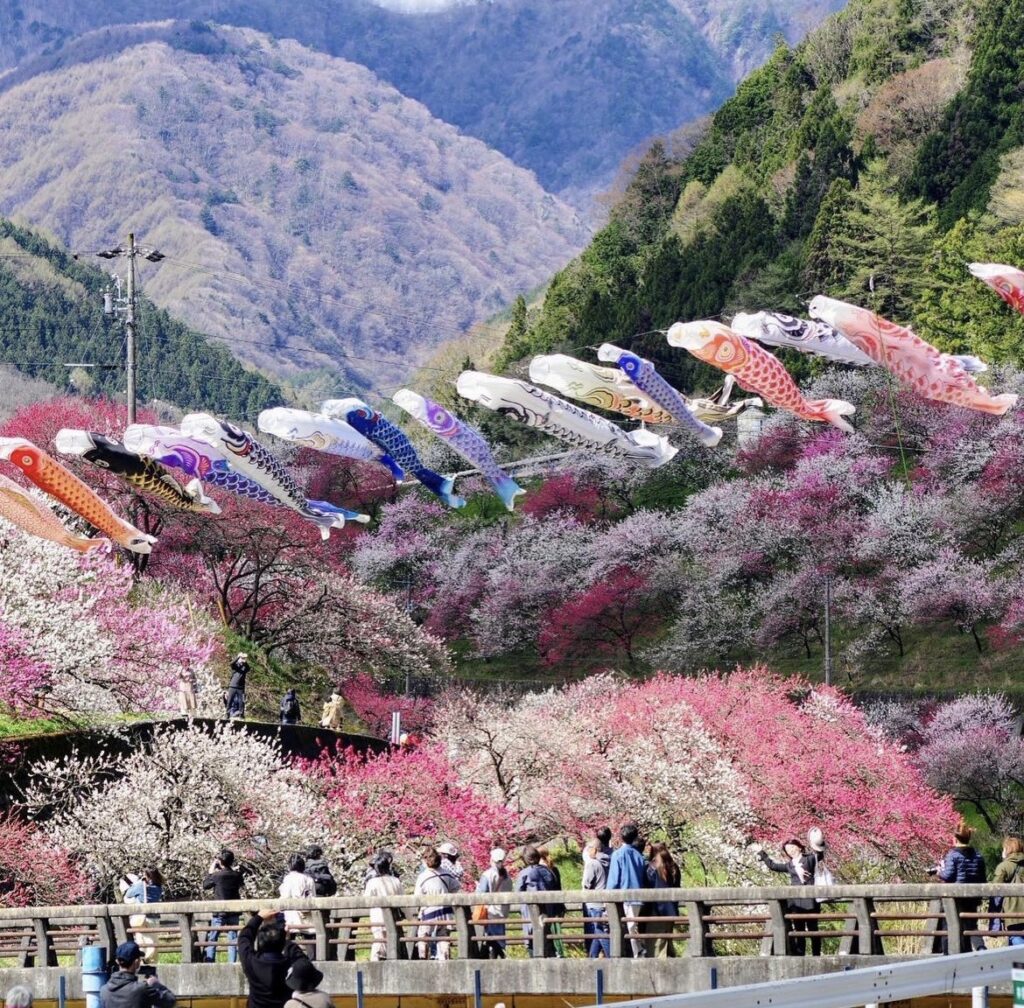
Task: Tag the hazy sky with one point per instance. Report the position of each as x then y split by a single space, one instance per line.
420 6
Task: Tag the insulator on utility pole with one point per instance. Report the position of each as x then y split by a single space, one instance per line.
114 303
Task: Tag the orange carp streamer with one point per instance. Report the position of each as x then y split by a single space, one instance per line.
756 370
32 516
53 478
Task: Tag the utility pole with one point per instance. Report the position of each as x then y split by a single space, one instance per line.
132 365
828 629
115 304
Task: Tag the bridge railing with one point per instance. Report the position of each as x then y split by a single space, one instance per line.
890 920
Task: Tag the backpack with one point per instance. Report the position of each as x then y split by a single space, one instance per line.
822 875
323 880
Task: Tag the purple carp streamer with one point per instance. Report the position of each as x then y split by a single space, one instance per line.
545 412
466 440
644 376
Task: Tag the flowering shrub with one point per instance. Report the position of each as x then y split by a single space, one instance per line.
374 707
410 799
35 870
90 638
710 762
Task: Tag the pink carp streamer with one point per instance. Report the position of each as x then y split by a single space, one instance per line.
20 508
53 478
1006 281
918 365
756 370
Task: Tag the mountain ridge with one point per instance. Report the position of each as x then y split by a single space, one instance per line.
306 209
538 81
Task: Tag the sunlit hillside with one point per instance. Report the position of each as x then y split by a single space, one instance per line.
302 204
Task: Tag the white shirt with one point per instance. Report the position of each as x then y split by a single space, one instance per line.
382 885
295 885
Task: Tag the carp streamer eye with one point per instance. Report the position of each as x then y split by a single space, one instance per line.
726 353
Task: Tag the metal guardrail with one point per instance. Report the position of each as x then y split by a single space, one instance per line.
876 985
889 920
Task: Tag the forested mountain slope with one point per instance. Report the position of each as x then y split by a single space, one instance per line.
311 216
566 89
51 315
871 162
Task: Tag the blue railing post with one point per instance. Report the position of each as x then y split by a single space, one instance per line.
359 989
478 1001
600 986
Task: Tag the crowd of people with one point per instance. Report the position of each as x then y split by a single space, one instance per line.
274 947
627 864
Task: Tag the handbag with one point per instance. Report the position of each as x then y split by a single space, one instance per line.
480 915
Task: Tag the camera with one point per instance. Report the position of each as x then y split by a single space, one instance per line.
933 871
146 970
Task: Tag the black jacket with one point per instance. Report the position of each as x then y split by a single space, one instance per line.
808 862
265 971
239 670
126 990
225 883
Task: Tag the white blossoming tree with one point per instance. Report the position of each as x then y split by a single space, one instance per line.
108 645
176 801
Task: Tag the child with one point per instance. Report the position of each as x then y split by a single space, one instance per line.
304 980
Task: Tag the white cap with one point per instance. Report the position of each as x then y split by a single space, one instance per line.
498 854
447 848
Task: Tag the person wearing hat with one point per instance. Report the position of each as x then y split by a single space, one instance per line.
234 698
126 989
495 880
303 980
449 864
383 881
267 957
18 997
